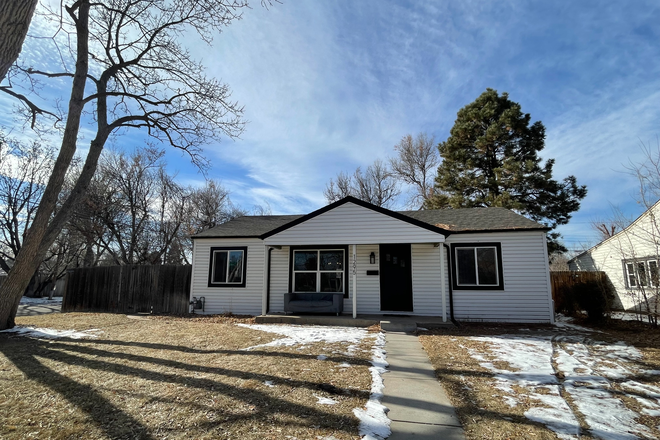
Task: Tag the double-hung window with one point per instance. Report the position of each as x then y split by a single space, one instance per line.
227 267
477 266
641 272
318 270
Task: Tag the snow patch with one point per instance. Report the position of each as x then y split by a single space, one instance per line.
586 368
49 333
530 367
555 420
325 400
321 357
269 383
303 335
374 423
566 322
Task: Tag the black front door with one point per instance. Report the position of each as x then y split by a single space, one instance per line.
395 278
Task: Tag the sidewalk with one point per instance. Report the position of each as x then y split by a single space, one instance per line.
419 407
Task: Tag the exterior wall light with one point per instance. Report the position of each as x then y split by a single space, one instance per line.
372 258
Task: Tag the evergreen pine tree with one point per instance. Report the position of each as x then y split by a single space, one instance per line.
491 159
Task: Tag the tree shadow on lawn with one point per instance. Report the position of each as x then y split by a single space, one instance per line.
474 406
258 353
472 413
25 354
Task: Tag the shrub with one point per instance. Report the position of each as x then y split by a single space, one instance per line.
592 296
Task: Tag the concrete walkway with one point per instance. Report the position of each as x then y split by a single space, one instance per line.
419 407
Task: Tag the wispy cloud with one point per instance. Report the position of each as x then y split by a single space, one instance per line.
331 86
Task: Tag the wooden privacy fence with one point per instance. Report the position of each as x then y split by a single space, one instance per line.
128 289
563 281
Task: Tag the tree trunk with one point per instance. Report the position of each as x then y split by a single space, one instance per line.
34 246
15 18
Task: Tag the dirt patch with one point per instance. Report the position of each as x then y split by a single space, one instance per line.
483 407
171 377
226 318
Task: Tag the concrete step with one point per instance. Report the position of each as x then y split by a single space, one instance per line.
401 326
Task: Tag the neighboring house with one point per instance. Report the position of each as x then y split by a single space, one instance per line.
630 259
384 262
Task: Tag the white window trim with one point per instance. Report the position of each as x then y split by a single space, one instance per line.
635 262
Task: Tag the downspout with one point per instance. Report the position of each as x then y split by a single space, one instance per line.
354 264
451 291
192 271
270 249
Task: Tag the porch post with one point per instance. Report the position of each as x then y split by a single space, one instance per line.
443 278
354 281
264 294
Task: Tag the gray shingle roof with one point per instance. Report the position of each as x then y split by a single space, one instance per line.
248 226
453 220
474 219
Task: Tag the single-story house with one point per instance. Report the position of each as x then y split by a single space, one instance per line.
630 258
477 264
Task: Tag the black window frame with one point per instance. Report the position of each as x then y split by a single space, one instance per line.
319 248
228 249
500 266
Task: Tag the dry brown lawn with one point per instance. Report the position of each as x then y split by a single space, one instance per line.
170 378
481 407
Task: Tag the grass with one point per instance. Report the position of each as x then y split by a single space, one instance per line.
481 407
174 378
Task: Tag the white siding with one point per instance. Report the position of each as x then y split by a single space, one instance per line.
584 262
427 292
279 278
368 285
638 241
353 224
427 296
240 300
526 296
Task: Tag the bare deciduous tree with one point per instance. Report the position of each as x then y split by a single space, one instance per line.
605 229
137 206
24 171
377 185
206 207
130 53
416 164
558 262
339 188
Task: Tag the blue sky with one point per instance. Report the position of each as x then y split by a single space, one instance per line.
329 86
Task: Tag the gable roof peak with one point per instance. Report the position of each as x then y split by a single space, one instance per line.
362 203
